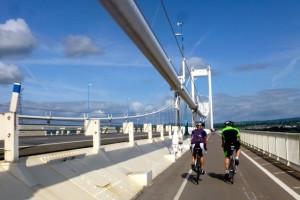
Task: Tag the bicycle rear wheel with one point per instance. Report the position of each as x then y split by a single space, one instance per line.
198 168
232 170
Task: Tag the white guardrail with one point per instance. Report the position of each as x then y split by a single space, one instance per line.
284 147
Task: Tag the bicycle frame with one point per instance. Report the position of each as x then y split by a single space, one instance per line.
231 164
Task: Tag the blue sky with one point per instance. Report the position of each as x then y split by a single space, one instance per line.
56 48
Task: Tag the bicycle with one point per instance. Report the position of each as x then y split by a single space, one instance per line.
197 163
232 167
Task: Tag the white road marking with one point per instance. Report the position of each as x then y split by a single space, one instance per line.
182 185
275 179
185 180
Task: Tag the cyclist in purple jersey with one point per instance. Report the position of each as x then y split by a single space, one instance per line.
199 139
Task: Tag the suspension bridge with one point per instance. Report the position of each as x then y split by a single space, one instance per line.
148 164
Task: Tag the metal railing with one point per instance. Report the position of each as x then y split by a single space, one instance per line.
284 147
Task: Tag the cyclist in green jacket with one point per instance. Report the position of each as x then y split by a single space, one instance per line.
230 135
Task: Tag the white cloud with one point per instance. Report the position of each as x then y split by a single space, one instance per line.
137 106
196 62
80 46
265 105
16 39
9 74
169 102
99 113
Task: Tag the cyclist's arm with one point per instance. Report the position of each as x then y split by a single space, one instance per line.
192 136
238 143
223 139
223 142
238 136
205 142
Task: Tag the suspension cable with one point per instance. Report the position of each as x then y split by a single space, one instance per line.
178 45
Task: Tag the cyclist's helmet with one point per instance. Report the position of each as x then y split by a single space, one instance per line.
229 123
200 124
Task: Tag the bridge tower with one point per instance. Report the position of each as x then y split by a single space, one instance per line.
203 72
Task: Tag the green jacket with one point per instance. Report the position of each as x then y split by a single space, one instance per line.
230 134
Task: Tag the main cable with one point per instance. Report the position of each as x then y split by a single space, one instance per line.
178 45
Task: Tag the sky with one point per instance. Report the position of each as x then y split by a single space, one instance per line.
72 56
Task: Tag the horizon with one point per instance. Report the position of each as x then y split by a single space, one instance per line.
67 54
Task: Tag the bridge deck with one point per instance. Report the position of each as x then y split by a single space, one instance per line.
88 176
177 182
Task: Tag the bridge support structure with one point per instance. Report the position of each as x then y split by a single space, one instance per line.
129 129
148 129
92 127
160 128
197 73
9 125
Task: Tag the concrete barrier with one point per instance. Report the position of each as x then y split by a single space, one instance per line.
142 178
116 171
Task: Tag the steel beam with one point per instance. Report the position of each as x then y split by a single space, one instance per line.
130 19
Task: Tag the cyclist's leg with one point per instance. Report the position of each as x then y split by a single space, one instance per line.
202 157
193 153
237 153
227 156
193 156
237 148
202 161
227 160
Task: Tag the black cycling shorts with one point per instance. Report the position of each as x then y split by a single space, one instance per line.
227 148
200 150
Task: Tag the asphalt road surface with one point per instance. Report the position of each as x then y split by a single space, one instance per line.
33 145
251 182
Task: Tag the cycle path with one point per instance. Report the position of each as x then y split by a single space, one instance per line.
251 182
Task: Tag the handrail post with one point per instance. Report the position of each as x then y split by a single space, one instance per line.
10 127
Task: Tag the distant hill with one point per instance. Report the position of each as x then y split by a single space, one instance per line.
275 121
276 125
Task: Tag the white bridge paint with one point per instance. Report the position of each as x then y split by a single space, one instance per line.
9 127
284 147
116 171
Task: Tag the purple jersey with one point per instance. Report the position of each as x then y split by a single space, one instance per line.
198 136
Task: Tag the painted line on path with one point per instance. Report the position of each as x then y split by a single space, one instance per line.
186 180
274 178
182 185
